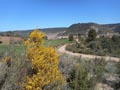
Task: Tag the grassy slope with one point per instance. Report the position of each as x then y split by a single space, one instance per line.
18 49
57 42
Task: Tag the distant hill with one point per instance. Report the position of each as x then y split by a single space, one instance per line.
83 28
25 33
74 29
114 27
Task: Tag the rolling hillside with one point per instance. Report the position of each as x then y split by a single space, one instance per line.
114 27
25 33
73 29
83 28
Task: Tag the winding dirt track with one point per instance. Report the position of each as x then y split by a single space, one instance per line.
107 58
0 64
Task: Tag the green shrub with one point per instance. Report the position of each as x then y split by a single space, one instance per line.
101 46
79 79
86 74
71 38
92 35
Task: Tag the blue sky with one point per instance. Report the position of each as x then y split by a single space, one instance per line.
29 14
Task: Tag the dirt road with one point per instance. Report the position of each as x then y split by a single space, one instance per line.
0 64
63 50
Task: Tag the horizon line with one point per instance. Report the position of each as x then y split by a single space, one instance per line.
58 26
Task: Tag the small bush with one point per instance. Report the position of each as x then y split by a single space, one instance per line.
1 42
92 35
71 38
86 74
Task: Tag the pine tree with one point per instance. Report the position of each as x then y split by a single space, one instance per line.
92 35
71 38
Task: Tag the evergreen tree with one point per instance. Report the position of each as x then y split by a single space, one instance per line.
71 38
79 36
92 35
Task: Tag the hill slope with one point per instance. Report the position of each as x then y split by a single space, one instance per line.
114 27
74 29
83 28
25 33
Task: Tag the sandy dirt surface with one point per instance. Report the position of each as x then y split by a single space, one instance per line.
63 50
0 64
101 86
7 39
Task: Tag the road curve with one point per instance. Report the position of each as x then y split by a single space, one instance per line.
107 58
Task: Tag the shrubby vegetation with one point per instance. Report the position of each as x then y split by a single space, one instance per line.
45 72
101 46
12 70
92 35
85 74
71 37
38 68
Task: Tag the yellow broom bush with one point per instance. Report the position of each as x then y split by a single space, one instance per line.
6 59
44 64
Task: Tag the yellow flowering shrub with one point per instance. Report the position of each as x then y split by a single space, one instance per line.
44 64
6 59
